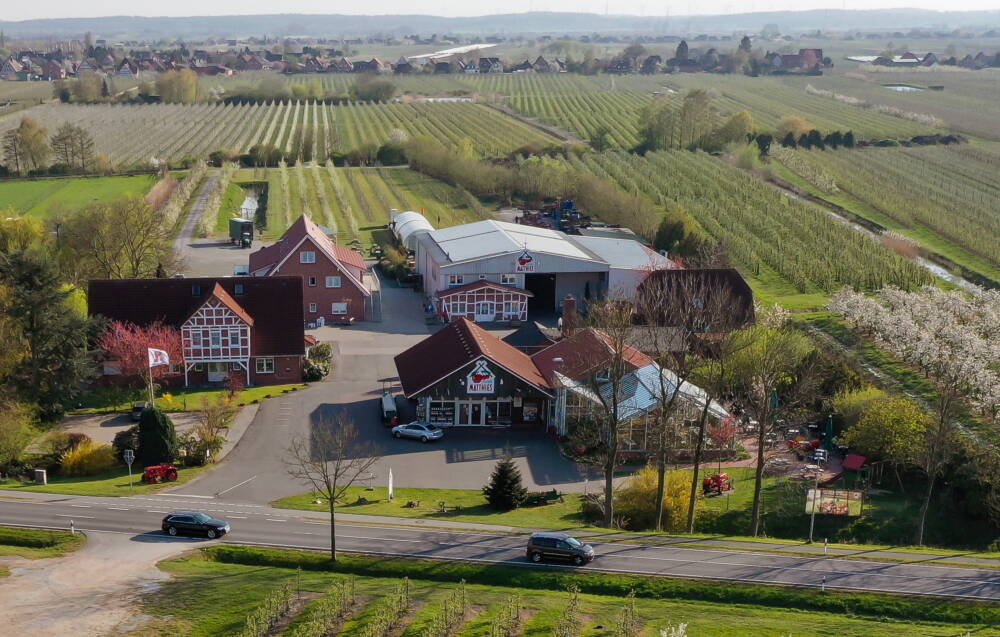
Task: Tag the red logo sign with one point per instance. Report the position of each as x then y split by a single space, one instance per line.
480 380
524 263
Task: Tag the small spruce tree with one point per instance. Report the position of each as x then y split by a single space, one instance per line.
505 491
157 438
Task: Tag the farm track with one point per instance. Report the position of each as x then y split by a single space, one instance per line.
182 244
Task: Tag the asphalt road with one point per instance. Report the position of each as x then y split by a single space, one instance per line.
139 517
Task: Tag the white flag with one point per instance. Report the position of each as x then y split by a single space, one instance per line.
158 357
390 483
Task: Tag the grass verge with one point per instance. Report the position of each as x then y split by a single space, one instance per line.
180 399
109 484
38 543
874 605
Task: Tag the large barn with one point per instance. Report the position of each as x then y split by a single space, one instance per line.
496 271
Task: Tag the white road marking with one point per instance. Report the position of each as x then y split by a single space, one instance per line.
302 533
81 506
238 517
118 508
183 495
275 520
151 511
82 517
240 484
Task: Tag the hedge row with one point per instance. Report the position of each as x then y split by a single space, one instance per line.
877 605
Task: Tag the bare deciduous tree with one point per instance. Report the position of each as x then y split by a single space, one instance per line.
602 360
679 312
330 460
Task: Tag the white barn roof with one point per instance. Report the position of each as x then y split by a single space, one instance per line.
491 238
626 254
408 225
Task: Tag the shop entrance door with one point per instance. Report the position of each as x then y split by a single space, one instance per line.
470 414
485 312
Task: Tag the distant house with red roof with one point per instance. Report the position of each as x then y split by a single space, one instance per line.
334 278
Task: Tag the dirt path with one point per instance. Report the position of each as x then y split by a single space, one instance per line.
90 592
186 235
534 123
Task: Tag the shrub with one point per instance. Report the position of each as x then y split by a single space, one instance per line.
313 371
87 459
637 500
157 438
320 353
127 439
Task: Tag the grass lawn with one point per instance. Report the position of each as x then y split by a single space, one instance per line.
207 597
473 507
112 483
180 399
45 197
38 543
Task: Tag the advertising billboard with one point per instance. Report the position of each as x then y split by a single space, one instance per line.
834 502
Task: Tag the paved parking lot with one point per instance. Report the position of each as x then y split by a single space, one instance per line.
363 357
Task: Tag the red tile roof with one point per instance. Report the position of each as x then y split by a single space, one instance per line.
304 227
274 304
455 346
585 352
223 296
477 285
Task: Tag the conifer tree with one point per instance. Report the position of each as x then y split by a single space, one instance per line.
505 491
157 438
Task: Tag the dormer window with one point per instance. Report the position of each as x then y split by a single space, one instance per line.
195 290
238 288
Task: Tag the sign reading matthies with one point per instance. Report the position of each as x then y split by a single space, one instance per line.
480 380
524 263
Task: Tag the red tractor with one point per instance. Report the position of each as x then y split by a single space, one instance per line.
159 473
716 484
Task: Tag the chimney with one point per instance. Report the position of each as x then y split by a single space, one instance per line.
569 317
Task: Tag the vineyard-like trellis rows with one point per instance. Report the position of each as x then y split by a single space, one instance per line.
761 228
173 131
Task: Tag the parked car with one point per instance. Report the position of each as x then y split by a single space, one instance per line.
194 523
422 431
137 409
551 545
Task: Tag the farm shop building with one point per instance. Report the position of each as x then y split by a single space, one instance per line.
498 271
464 376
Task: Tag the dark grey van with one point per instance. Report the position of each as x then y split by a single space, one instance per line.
552 545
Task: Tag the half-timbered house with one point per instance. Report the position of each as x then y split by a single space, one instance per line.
252 327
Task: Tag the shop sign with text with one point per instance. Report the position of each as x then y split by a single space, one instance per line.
481 380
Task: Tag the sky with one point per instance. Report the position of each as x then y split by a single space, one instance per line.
76 9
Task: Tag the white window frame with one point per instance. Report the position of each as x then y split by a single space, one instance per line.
311 281
455 280
196 338
334 282
458 308
312 308
215 338
235 337
262 364
482 277
307 256
508 279
338 308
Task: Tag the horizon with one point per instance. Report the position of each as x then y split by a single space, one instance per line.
629 8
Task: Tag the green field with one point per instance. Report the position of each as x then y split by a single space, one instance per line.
211 595
44 198
354 203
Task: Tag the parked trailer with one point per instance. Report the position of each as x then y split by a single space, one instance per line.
241 232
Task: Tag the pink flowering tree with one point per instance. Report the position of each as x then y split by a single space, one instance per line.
127 344
722 434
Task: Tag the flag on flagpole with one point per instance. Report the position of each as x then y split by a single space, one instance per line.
390 483
157 357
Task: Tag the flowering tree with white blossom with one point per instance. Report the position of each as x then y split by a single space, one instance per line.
954 339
